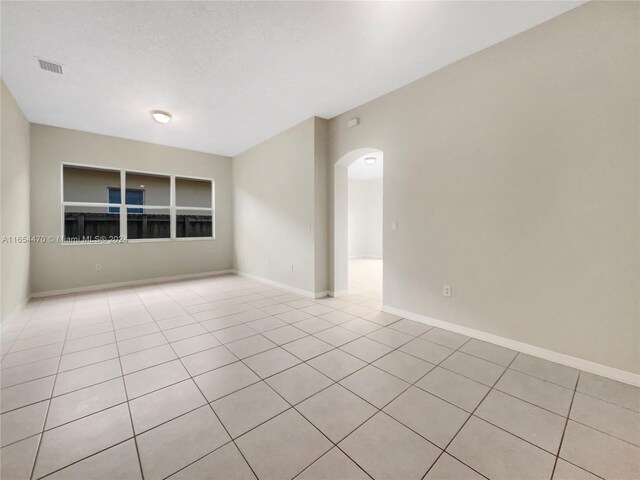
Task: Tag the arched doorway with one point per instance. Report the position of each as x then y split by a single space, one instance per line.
341 214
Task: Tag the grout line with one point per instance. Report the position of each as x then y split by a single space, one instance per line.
46 416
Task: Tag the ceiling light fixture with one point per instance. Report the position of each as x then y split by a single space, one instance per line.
160 116
370 160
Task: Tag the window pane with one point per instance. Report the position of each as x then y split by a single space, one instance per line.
193 193
145 189
89 185
90 223
148 223
194 223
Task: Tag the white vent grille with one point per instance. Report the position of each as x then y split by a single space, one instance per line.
50 67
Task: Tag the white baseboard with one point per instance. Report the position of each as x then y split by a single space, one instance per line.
355 257
568 360
128 283
337 293
284 286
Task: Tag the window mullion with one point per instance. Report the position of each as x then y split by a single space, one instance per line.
123 201
172 208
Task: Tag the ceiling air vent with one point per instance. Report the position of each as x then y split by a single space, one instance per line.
50 67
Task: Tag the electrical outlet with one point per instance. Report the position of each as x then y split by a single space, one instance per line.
98 266
446 290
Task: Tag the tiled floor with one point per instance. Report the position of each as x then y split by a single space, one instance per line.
226 378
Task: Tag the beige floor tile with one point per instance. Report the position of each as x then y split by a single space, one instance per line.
186 331
361 326
17 459
119 462
425 350
226 463
85 343
154 378
498 454
298 383
87 376
88 357
374 385
366 349
599 453
30 371
386 449
266 324
293 316
445 338
174 445
333 465
527 421
80 403
283 447
147 358
26 393
192 345
31 355
540 392
336 411
448 468
488 351
76 440
611 391
461 391
434 419
307 347
410 327
337 336
250 346
567 471
23 422
206 360
382 318
390 337
271 362
163 405
336 364
620 422
474 368
249 407
407 367
337 317
123 334
313 325
231 334
225 380
285 334
546 370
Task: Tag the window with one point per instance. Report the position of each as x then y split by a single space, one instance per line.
157 206
194 212
133 196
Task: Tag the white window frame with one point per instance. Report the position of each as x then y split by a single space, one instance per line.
123 207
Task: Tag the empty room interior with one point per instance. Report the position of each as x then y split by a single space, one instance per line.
320 240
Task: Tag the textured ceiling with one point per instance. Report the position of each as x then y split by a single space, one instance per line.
234 73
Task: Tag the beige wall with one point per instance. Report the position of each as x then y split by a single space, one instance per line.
14 215
514 177
58 267
276 210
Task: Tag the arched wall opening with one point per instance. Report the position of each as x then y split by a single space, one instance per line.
341 218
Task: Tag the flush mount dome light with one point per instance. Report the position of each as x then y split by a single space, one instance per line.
160 116
370 160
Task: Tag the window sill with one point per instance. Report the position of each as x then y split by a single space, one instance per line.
139 240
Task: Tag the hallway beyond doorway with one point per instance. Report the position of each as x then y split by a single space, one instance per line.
365 277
